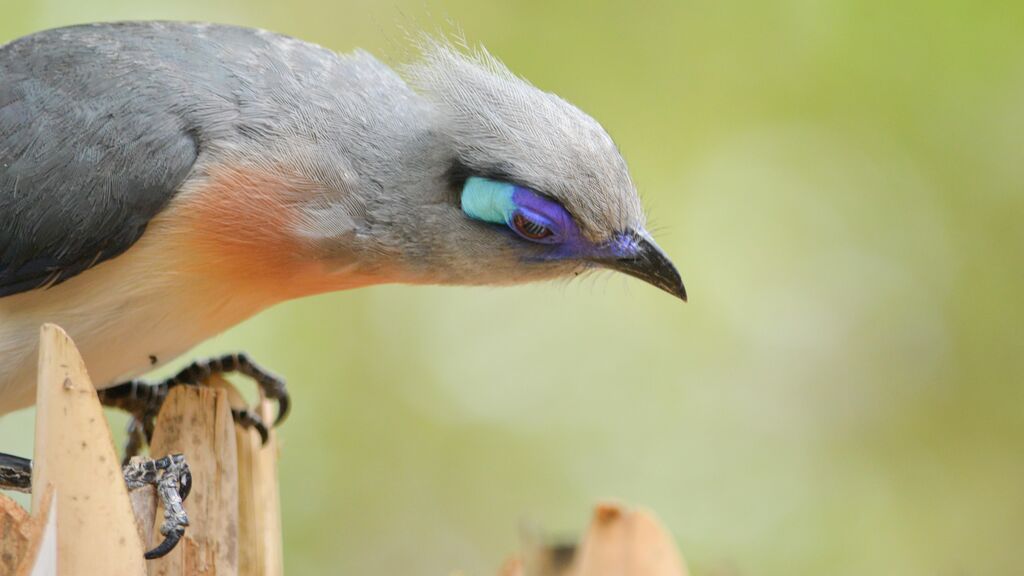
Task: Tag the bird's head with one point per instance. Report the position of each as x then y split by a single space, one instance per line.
507 183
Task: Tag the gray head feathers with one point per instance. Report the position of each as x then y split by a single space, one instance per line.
502 125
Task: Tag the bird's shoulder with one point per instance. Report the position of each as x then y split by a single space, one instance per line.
101 124
85 162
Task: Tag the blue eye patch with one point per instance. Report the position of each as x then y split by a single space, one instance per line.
488 200
530 215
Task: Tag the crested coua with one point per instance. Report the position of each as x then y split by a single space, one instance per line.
161 182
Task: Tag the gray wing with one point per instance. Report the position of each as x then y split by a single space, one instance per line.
90 151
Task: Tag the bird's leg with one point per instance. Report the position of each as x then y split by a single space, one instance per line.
170 475
142 399
15 473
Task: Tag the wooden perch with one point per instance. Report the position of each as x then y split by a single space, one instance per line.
196 421
259 506
84 522
40 557
75 454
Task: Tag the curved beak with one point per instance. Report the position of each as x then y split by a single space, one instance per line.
649 263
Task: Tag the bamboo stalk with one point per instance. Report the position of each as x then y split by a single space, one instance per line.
196 421
41 553
259 508
96 533
83 522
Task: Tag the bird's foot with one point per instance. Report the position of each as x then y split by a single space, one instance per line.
170 475
143 399
173 481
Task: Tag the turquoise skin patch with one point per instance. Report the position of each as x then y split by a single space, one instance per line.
488 200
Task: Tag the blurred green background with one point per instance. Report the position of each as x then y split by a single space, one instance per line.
841 184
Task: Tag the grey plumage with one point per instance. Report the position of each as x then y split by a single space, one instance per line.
63 139
101 124
195 174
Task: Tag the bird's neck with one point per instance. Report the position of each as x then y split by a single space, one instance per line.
243 228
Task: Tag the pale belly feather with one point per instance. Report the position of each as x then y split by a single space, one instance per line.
127 316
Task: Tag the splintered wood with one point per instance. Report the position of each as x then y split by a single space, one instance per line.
75 454
83 522
40 557
259 517
197 421
14 534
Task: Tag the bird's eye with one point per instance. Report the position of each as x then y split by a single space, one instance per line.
529 229
531 216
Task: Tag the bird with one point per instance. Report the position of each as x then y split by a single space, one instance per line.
161 182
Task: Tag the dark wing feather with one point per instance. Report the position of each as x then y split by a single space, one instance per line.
91 149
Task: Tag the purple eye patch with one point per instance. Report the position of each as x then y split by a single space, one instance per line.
501 203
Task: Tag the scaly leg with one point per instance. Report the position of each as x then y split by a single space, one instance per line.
15 473
169 474
143 399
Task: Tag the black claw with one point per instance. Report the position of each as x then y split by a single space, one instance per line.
247 418
272 386
264 433
163 548
284 405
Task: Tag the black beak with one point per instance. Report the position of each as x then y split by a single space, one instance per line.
649 264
